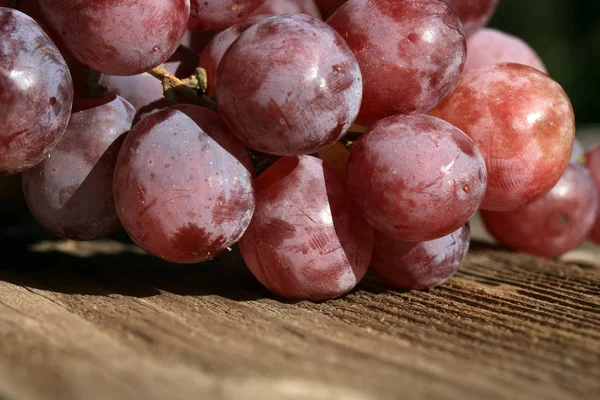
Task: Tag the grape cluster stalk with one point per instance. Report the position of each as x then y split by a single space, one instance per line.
326 139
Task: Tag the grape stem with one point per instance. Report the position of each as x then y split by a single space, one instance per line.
13 4
173 84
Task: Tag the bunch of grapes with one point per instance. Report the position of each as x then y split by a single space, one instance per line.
321 148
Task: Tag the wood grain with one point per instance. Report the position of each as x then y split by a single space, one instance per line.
105 321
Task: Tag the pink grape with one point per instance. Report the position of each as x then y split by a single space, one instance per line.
552 225
220 14
70 192
416 177
213 52
523 123
36 93
183 185
411 53
306 240
290 7
419 265
491 46
289 85
116 37
473 14
592 162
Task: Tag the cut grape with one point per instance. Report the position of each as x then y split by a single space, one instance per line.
220 14
491 46
213 52
422 265
473 14
183 185
523 123
290 7
36 93
328 7
416 177
592 162
306 240
552 225
289 85
119 38
411 53
70 192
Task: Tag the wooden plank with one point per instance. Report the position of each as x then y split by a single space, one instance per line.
122 325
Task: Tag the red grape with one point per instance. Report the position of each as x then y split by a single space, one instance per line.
328 7
473 14
70 192
183 185
421 265
220 14
306 241
290 7
36 93
552 225
116 37
196 41
416 177
523 123
213 52
289 85
411 53
491 46
592 162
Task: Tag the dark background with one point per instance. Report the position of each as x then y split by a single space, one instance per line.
566 35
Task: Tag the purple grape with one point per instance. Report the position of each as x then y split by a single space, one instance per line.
411 53
183 185
289 85
416 177
36 93
70 192
119 37
420 265
306 240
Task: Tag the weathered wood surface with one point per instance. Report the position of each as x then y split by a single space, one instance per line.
102 321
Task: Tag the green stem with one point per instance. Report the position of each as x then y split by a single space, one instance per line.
172 83
93 88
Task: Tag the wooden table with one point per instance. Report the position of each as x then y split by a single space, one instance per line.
105 321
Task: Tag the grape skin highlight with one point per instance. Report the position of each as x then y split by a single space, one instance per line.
306 240
183 185
36 93
523 123
70 192
289 85
421 265
411 53
416 177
